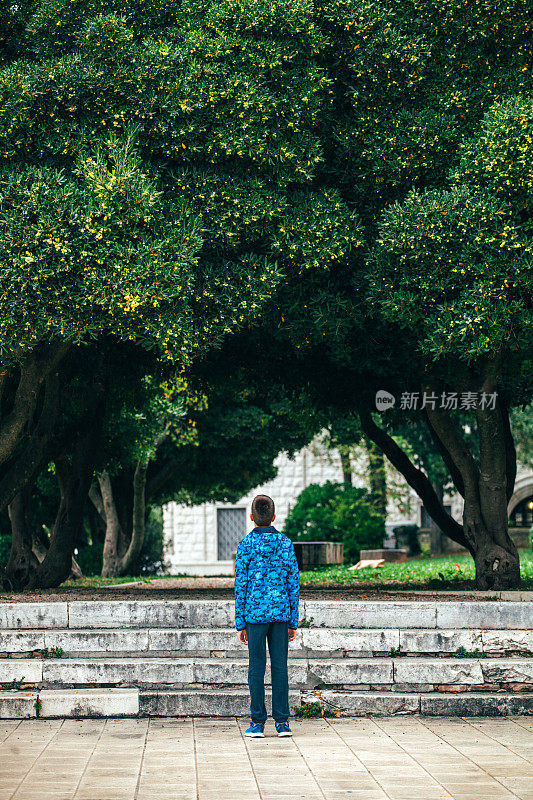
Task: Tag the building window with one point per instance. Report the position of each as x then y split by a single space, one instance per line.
231 528
522 514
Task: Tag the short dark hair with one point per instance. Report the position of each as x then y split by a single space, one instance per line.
263 510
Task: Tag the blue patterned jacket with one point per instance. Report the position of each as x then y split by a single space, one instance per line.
267 579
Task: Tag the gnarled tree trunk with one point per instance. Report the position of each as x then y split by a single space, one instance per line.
27 378
41 545
74 477
486 488
22 560
74 474
119 555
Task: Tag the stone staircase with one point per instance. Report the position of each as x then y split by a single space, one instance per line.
179 658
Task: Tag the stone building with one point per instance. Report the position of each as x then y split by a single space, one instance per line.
200 540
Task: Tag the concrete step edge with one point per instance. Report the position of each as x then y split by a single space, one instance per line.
232 659
115 702
432 614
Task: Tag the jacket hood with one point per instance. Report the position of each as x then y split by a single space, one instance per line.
267 542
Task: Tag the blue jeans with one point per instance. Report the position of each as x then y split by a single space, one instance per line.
277 635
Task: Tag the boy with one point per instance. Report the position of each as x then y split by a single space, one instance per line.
267 591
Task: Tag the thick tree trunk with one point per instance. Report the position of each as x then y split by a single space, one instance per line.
139 515
33 456
497 559
42 361
22 560
111 556
435 533
119 558
486 488
346 467
29 546
74 481
41 545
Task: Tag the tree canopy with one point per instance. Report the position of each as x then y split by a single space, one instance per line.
252 174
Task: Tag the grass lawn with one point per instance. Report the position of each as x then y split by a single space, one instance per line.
422 572
97 580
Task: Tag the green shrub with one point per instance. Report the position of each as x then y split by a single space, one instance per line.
307 710
336 512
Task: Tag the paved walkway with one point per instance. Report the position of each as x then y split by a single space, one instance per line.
379 758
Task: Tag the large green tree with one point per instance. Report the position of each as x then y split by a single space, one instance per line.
425 134
100 243
149 167
455 266
283 131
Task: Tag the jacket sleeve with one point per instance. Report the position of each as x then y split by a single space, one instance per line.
241 581
293 586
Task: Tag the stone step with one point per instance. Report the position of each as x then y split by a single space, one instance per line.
353 614
202 642
212 703
426 703
17 704
113 702
101 702
419 614
308 672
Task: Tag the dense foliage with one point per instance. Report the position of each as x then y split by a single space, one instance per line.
307 173
336 512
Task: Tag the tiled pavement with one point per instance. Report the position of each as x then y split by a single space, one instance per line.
372 758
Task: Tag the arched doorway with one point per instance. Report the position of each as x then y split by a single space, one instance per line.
522 514
520 511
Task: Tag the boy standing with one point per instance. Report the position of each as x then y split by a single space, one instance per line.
267 590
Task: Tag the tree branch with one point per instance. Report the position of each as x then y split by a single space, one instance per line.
30 462
39 364
452 439
414 477
95 496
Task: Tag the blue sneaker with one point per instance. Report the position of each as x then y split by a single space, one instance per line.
256 730
283 729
